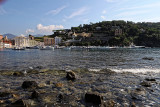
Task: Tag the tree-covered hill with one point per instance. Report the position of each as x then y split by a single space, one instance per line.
141 33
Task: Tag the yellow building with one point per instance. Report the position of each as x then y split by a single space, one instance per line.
32 43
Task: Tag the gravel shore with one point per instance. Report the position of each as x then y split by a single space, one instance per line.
78 88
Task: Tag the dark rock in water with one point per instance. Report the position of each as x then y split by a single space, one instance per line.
150 79
39 67
147 58
145 84
5 95
18 74
93 98
71 75
35 94
19 103
60 97
29 84
32 71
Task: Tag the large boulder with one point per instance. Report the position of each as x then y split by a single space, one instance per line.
71 75
29 85
93 98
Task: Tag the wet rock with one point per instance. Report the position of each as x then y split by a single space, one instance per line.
5 95
35 95
133 104
39 67
18 74
60 97
109 103
71 75
29 85
48 82
150 79
93 98
59 85
147 58
138 94
19 103
32 71
107 71
146 84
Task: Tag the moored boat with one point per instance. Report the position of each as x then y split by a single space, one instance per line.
46 48
19 48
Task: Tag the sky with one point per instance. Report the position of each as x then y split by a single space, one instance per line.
24 17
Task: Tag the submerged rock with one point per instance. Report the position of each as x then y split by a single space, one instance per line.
107 71
29 84
35 94
18 74
150 79
32 71
146 84
19 103
71 75
5 94
93 98
147 58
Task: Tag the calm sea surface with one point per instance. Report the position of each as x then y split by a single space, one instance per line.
117 59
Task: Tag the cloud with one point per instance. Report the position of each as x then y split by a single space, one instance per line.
22 35
104 12
29 31
2 11
49 28
56 11
103 17
79 12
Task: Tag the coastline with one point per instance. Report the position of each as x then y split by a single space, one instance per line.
54 89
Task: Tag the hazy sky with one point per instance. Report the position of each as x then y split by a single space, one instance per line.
42 16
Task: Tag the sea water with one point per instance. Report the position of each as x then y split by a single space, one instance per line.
120 59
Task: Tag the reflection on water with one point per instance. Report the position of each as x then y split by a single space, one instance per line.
63 59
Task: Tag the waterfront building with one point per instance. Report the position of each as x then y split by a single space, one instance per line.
49 41
58 40
21 41
32 43
1 37
1 41
5 42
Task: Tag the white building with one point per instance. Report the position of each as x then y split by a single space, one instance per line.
21 41
57 40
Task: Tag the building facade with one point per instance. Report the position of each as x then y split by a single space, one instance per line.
49 41
21 41
58 40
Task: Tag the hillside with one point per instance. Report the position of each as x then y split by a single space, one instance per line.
141 33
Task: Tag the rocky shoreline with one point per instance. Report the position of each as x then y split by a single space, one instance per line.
78 88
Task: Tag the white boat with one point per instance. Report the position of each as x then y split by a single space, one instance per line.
19 48
46 48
